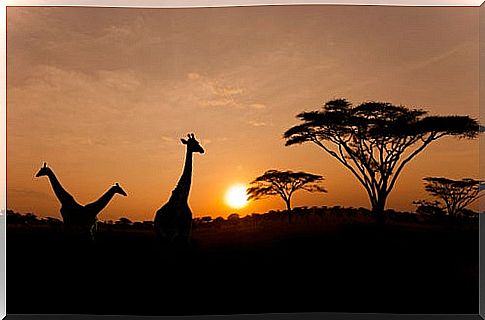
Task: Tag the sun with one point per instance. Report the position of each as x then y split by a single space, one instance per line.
236 196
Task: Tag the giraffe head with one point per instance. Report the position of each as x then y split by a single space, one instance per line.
117 189
192 144
43 171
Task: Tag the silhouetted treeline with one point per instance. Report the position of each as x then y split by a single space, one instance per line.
338 214
29 218
327 214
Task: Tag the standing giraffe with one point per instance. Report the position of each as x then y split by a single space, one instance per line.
173 221
77 218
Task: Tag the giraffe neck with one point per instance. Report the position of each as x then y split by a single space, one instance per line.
62 195
98 205
183 186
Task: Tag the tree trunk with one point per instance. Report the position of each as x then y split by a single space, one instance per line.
452 217
378 210
288 208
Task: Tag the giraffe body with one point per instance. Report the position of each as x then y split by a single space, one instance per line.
173 221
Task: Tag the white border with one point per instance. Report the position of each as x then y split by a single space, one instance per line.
229 3
3 161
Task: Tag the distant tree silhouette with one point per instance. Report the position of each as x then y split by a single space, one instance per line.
375 140
17 218
233 217
429 208
30 218
206 219
124 221
14 217
455 195
283 184
469 214
148 223
218 220
53 221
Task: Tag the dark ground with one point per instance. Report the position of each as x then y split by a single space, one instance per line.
314 265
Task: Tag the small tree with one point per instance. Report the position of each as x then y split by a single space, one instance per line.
233 217
284 184
124 221
428 208
455 195
375 140
30 218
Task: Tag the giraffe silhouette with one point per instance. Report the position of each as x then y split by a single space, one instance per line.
173 221
78 219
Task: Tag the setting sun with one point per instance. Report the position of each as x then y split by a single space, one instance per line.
236 196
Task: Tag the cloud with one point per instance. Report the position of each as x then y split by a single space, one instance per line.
219 102
257 123
167 139
119 32
69 108
193 76
49 85
39 195
218 93
436 59
257 106
223 95
119 80
51 78
225 90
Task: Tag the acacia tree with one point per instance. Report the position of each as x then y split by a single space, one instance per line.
284 184
455 195
375 140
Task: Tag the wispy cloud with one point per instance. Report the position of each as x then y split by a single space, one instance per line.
219 102
38 195
193 76
68 107
258 106
257 123
167 139
119 80
221 94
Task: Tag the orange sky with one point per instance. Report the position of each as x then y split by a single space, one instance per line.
104 94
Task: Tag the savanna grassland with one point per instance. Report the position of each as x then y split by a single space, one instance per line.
328 259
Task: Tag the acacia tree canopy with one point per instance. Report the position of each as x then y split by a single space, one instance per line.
456 195
375 140
284 184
